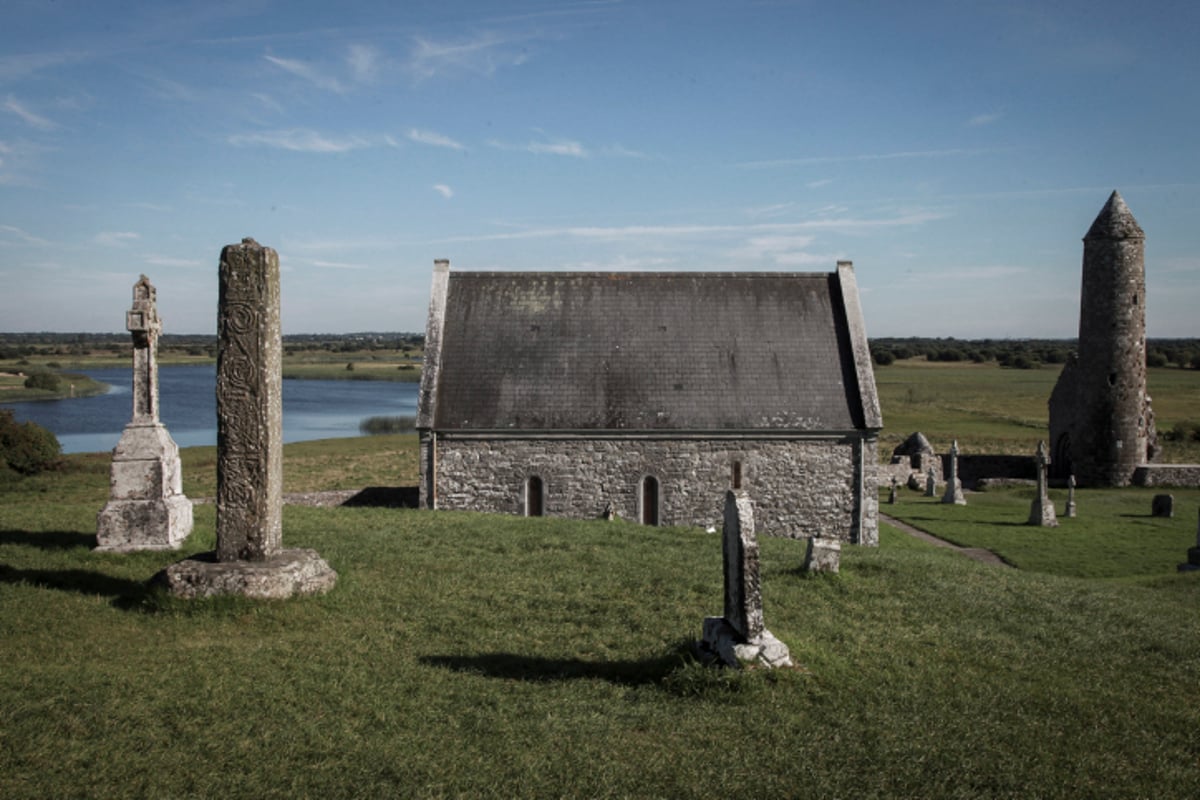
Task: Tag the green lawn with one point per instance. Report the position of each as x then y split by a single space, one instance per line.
476 655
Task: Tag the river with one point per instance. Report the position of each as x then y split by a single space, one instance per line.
188 407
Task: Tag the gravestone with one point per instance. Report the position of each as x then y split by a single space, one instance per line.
146 509
1163 505
823 555
892 492
1193 562
930 484
954 492
1071 510
249 559
740 637
1041 511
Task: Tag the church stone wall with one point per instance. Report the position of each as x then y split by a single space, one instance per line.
800 488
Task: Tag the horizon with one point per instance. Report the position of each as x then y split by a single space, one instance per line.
955 153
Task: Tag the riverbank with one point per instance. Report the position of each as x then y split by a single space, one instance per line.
13 390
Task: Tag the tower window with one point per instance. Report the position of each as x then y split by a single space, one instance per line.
649 500
735 477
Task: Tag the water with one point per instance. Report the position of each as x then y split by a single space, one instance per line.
188 407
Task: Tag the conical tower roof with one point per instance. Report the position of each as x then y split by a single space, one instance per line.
1115 221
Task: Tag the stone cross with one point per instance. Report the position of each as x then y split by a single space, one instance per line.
142 321
740 635
892 492
250 559
147 509
954 493
1041 511
1071 511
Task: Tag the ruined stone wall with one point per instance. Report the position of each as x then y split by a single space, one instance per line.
1180 475
800 488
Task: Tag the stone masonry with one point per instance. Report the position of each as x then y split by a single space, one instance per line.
802 488
147 509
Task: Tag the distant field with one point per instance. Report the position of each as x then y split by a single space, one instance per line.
990 409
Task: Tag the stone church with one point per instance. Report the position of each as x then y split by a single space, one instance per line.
646 396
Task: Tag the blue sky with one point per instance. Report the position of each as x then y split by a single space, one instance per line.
955 151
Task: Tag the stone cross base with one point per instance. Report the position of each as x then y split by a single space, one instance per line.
722 642
1041 512
147 509
954 494
822 555
286 574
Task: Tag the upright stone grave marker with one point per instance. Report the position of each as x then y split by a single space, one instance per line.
1071 510
740 636
1193 562
1041 511
249 559
930 484
954 493
147 509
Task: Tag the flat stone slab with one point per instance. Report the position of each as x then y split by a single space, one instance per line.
721 641
288 573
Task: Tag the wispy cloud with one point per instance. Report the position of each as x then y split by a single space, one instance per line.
115 238
819 183
553 147
444 190
268 102
177 263
13 233
979 120
13 106
308 72
482 55
363 61
21 65
336 265
781 251
307 141
434 139
798 162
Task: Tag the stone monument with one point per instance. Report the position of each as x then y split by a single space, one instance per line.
892 492
954 492
146 509
740 637
249 559
823 555
1162 505
1193 562
1071 510
930 484
1041 511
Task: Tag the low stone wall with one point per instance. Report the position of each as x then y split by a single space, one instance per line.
971 468
800 488
1181 475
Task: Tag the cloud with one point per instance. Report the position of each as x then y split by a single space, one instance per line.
980 120
307 141
434 139
558 147
336 265
180 263
444 190
115 238
780 251
482 55
22 65
270 103
307 72
31 118
797 162
363 61
819 184
12 232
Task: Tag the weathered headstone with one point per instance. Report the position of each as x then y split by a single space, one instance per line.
1041 510
954 492
1193 562
1071 510
892 492
1163 505
740 636
930 484
147 509
823 555
249 559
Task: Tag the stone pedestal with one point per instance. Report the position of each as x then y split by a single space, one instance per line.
285 574
147 509
722 641
823 555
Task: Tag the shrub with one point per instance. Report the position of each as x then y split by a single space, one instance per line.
374 425
1183 431
27 448
1156 358
43 380
883 357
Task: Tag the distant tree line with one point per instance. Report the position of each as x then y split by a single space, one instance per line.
21 345
1022 353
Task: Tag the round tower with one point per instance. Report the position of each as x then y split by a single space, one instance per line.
1113 430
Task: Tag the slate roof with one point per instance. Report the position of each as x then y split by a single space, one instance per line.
558 351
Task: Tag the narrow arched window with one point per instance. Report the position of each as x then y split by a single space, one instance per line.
649 500
735 475
535 497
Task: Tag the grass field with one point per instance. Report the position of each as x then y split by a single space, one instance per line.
493 656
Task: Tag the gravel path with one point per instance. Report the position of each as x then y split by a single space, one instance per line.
977 553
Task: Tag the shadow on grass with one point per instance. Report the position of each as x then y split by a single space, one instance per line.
49 540
514 666
385 497
126 593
